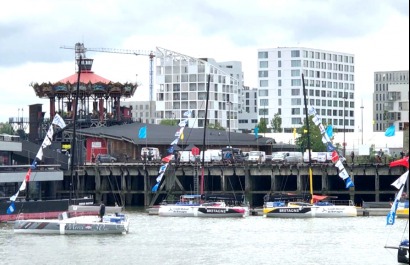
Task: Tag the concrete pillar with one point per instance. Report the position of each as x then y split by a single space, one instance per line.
223 181
377 185
97 185
248 185
325 184
299 181
147 188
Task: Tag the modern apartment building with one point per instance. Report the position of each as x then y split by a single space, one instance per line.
390 100
181 85
248 115
139 110
329 81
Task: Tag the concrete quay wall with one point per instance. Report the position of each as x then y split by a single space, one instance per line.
131 183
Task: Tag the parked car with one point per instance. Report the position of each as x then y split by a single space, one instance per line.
278 157
150 154
293 157
106 158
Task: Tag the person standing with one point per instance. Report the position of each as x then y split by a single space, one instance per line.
102 211
379 156
352 156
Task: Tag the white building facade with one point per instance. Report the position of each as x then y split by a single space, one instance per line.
248 114
329 82
181 85
139 110
391 100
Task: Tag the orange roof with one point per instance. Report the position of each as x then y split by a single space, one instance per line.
85 77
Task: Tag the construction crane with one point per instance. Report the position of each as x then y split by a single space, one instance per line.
80 50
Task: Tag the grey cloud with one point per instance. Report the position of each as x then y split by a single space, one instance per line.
244 23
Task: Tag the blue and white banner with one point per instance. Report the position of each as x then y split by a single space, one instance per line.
180 135
326 140
11 208
46 142
391 216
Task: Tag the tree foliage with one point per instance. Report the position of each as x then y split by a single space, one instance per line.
169 122
215 126
262 126
6 128
316 143
276 123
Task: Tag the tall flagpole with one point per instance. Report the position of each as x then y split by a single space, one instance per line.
203 140
308 140
73 140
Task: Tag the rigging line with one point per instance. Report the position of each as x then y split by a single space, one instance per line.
112 188
73 144
116 188
196 120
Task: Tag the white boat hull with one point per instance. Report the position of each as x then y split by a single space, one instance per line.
289 212
202 211
335 211
175 210
81 225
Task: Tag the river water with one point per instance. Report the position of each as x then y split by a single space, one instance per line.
253 240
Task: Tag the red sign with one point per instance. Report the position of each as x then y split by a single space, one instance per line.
195 151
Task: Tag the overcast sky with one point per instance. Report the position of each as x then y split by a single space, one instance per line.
32 32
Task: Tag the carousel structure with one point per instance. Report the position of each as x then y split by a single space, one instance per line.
98 99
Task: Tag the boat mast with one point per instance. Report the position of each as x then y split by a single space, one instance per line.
73 140
308 140
201 189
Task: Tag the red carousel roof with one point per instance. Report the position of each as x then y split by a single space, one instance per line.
85 78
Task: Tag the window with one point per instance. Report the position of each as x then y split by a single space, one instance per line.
296 101
263 83
263 73
295 53
263 64
263 112
279 82
262 55
279 73
279 63
279 54
296 82
295 92
295 63
296 121
295 72
295 111
264 102
263 92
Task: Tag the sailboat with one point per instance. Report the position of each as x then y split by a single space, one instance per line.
299 206
69 223
201 205
400 184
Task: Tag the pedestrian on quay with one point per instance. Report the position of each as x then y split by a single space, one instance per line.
401 154
352 156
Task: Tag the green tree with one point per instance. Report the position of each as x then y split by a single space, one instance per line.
263 126
215 126
276 123
169 122
6 128
316 143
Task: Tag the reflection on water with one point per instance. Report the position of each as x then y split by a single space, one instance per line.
253 240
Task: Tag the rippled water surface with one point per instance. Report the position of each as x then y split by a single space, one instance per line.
253 240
